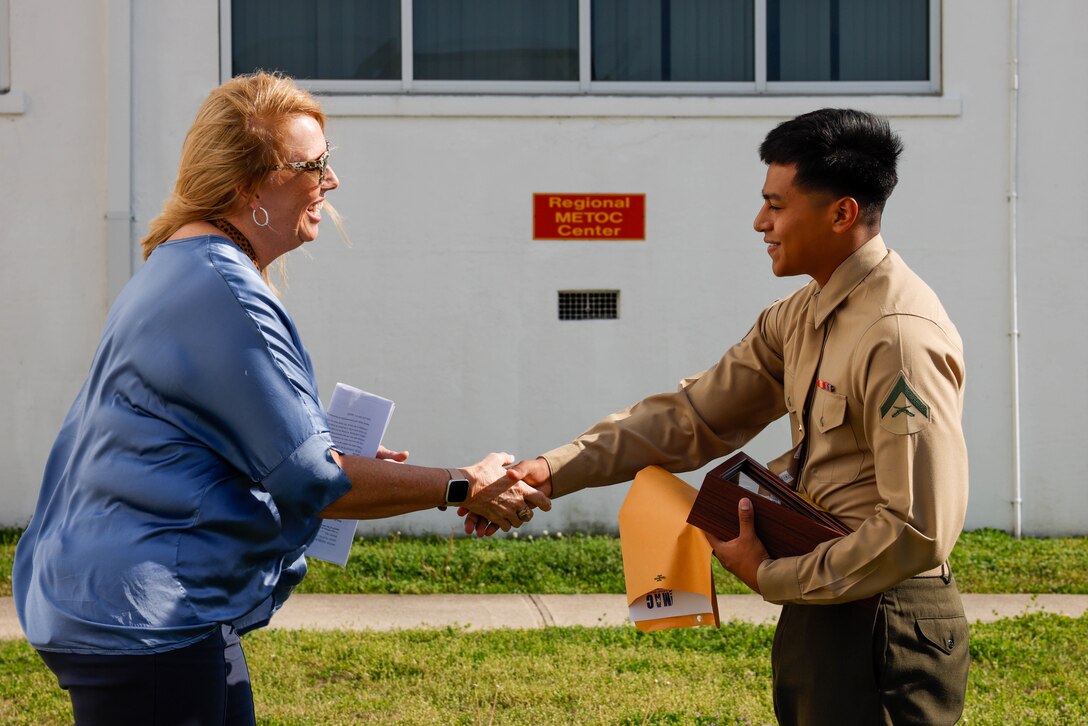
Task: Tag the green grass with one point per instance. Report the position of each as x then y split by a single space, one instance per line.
8 538
393 564
1024 670
987 560
984 561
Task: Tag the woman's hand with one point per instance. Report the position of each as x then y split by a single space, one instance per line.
398 456
497 500
384 486
534 472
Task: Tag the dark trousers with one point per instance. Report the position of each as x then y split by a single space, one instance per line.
902 661
201 684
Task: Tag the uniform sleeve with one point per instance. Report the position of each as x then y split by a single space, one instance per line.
711 415
912 375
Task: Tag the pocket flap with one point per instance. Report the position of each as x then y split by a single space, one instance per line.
829 410
945 633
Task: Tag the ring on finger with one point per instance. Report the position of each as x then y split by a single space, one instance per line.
525 514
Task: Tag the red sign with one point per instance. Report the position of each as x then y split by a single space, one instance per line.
589 216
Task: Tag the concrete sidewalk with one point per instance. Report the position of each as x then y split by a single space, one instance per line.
482 612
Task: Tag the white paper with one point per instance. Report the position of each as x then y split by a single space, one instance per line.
661 604
357 422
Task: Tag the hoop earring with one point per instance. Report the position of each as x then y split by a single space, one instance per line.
263 211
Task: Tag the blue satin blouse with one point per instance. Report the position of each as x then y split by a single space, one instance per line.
187 477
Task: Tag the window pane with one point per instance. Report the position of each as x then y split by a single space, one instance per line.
495 40
327 39
848 40
673 40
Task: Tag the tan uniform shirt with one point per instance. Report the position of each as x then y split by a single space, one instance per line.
884 445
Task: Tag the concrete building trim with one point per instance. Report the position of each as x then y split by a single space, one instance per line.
689 107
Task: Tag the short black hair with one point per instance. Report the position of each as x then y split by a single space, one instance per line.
839 150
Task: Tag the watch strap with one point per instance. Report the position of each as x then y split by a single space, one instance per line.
456 477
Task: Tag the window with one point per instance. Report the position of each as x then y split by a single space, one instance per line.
495 40
318 39
590 46
847 40
667 40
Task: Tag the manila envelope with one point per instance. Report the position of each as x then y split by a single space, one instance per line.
666 561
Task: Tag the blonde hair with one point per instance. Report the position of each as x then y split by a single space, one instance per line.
235 140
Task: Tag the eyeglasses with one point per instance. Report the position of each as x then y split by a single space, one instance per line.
320 164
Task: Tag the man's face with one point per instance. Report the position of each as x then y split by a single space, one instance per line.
797 226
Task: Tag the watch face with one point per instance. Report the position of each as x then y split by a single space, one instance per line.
457 491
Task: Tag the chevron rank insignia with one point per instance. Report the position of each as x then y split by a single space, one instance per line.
903 410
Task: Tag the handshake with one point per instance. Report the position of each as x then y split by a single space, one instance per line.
497 498
500 497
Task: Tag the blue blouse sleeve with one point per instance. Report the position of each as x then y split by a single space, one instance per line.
238 379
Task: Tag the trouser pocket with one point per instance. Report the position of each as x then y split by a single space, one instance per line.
923 660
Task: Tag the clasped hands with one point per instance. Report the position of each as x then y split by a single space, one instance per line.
497 497
530 480
515 492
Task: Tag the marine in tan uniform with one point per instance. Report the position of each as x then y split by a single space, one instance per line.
869 368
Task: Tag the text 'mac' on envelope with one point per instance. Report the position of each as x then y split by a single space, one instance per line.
666 561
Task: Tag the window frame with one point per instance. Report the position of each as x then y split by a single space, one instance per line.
760 86
5 47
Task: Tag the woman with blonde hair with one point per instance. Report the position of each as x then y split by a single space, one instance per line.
195 464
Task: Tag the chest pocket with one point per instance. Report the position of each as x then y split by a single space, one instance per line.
828 410
833 455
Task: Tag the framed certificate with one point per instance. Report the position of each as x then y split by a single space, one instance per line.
786 522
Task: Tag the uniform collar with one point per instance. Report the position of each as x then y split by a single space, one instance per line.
846 277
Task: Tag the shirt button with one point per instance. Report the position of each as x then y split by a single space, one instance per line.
951 642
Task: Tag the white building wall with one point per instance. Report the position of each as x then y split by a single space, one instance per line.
446 304
1053 243
53 234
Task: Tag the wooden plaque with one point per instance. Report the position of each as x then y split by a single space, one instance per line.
786 523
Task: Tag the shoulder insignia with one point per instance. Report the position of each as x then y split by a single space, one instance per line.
903 410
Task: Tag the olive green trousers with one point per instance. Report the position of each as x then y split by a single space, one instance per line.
900 660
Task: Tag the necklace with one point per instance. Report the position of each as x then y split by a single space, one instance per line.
235 235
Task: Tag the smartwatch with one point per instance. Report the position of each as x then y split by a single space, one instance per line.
456 487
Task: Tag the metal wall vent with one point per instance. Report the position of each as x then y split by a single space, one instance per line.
589 304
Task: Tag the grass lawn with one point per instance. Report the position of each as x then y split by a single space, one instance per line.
1027 670
983 561
1024 670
